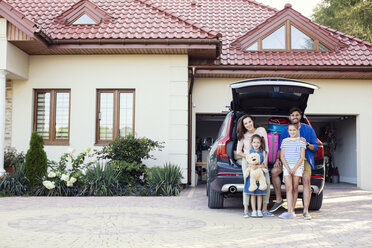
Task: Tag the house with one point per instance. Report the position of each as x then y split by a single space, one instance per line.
83 72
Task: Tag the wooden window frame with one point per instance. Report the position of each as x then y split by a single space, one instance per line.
288 34
116 112
52 117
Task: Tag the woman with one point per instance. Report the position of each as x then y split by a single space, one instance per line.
246 129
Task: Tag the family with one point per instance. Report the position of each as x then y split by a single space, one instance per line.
295 158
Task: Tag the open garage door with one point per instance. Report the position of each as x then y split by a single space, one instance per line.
338 134
207 127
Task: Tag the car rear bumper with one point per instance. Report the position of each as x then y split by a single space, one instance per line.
236 188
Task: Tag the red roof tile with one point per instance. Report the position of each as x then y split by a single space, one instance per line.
194 19
234 18
127 18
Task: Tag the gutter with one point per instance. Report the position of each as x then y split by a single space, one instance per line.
189 147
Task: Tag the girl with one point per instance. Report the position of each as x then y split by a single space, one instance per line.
292 155
258 145
246 129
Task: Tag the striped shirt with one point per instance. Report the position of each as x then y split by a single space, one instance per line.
292 150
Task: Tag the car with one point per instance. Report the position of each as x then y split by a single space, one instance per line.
263 98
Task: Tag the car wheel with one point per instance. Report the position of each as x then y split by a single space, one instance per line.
316 201
215 199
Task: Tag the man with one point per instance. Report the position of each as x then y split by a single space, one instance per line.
308 135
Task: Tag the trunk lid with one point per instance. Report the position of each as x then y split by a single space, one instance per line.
270 95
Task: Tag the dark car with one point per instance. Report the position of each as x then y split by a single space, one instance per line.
263 98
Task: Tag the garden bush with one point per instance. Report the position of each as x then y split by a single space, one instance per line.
102 181
130 149
130 173
36 160
15 183
166 180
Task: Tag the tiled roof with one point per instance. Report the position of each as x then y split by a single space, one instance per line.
234 18
130 19
193 19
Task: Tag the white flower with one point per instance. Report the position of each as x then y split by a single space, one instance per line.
71 150
52 174
48 184
87 150
72 180
84 171
64 177
69 184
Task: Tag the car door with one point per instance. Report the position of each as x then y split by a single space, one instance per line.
270 95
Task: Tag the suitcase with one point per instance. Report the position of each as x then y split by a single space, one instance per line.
275 128
273 140
279 120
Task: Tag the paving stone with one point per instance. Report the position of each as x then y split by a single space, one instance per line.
345 220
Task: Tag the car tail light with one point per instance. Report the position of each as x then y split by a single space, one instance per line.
316 176
221 145
228 175
320 152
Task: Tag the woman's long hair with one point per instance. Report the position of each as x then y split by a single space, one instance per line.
241 130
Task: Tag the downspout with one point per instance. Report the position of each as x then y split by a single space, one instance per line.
189 157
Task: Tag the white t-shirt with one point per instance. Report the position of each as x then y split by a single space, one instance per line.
292 150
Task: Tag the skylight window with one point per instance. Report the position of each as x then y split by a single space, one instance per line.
84 19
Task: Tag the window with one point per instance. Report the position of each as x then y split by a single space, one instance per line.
115 114
286 37
52 116
276 40
84 19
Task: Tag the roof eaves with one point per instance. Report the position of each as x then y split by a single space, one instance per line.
17 18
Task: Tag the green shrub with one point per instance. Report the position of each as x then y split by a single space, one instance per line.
101 181
130 149
130 173
165 180
16 183
36 160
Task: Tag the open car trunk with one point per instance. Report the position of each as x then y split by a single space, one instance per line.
270 95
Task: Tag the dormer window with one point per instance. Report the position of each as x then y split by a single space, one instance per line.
286 37
84 19
84 12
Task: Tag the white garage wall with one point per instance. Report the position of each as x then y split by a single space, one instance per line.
161 103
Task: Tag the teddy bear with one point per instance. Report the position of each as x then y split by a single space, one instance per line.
256 174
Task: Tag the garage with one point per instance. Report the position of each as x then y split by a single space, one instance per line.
337 132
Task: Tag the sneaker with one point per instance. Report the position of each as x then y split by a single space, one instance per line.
307 216
276 206
287 215
259 214
254 214
245 215
268 214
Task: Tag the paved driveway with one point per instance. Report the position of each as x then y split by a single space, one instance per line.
345 220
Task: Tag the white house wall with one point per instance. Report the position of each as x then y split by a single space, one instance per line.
335 97
160 84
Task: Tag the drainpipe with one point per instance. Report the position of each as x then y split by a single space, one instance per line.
2 119
189 159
